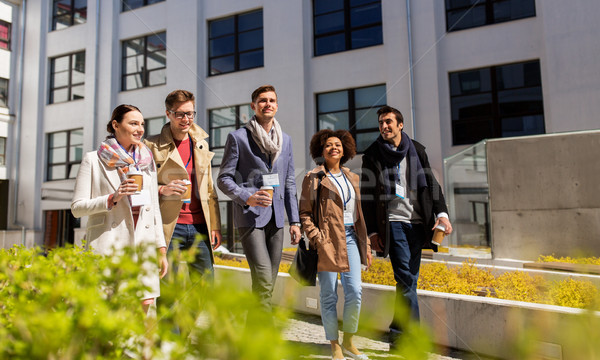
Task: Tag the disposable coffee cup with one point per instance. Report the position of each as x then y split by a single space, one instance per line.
438 235
138 178
186 197
268 189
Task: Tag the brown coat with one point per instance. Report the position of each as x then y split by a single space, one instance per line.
170 167
330 236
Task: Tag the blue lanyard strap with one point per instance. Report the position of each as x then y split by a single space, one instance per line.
342 190
191 152
135 162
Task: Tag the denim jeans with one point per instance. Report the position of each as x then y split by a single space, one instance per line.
184 237
262 247
405 256
351 282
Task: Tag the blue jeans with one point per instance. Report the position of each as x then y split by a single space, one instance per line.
405 255
187 235
351 282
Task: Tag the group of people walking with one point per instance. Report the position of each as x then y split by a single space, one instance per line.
391 208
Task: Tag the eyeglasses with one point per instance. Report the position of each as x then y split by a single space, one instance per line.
181 114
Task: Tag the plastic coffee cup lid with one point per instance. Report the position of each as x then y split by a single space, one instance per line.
266 187
441 227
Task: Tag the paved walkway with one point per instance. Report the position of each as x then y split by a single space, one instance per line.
308 330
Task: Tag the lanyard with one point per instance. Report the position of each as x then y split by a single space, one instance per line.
342 190
135 162
191 152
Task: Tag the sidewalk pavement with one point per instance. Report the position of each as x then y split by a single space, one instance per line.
308 330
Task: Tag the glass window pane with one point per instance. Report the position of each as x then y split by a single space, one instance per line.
77 77
59 95
216 161
453 4
132 4
367 118
132 82
246 114
62 22
157 42
354 3
76 137
519 101
221 27
222 46
334 121
250 40
363 140
333 101
75 153
79 62
470 82
218 136
251 20
523 125
466 18
60 64
56 172
367 37
133 64
323 6
471 131
57 155
330 44
73 171
518 75
329 23
370 96
156 60
154 125
77 92
222 117
133 47
157 77
251 59
365 15
222 65
60 79
479 105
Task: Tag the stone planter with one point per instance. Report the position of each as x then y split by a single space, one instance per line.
485 326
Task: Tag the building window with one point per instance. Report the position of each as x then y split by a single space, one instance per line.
154 125
67 77
235 43
65 151
4 35
222 121
67 13
354 110
134 4
2 151
341 25
144 61
464 14
499 101
3 92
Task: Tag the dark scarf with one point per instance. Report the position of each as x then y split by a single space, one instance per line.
391 158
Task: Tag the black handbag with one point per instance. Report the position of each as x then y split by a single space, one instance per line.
304 266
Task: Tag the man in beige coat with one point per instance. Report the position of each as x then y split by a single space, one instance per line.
181 155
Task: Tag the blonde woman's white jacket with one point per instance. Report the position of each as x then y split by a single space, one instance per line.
110 230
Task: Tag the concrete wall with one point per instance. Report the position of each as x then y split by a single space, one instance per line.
544 196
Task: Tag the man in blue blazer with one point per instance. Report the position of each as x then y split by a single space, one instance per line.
258 155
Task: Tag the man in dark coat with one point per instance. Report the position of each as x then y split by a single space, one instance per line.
402 203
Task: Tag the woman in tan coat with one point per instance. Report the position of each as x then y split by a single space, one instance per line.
119 215
332 219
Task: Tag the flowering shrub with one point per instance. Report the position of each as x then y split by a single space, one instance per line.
580 260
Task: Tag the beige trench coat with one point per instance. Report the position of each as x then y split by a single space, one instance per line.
170 167
330 236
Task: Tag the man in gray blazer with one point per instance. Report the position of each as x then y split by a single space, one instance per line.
258 155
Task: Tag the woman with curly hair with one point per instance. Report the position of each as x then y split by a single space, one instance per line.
332 219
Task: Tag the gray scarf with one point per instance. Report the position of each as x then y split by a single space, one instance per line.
268 145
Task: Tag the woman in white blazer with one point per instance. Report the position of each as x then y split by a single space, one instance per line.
119 215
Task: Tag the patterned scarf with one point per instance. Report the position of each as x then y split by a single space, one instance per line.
114 155
268 145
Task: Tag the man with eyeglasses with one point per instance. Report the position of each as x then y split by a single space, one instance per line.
181 155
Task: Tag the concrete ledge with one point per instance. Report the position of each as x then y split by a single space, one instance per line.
485 326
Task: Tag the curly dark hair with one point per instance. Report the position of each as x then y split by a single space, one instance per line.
317 143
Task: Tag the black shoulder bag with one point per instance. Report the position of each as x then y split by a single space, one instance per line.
304 266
